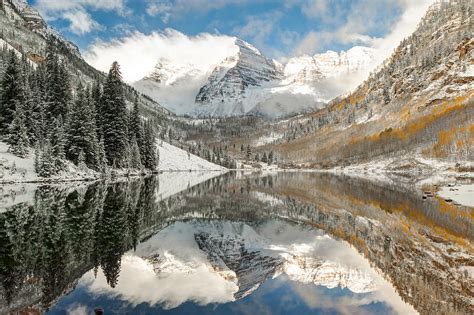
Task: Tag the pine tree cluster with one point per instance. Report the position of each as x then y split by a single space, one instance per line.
88 125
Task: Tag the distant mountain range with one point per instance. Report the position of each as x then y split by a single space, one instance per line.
248 82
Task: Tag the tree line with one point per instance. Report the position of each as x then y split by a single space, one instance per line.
89 125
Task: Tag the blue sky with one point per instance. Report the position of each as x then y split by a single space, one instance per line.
275 27
279 29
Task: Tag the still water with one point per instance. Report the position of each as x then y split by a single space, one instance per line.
203 243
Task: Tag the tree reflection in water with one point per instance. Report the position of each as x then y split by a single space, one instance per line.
423 246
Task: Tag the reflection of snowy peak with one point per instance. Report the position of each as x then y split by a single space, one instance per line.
327 274
248 82
246 256
253 266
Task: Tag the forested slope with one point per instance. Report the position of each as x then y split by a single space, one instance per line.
420 101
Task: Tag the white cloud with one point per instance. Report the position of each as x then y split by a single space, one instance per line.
362 18
78 309
76 12
167 9
80 22
160 8
138 53
65 5
413 11
258 28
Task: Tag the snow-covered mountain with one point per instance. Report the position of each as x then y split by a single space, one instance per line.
248 82
226 89
307 69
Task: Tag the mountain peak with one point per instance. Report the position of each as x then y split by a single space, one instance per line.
244 46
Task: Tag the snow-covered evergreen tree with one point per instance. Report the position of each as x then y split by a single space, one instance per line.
96 99
18 134
135 130
101 157
45 161
114 118
12 94
58 90
148 149
135 156
81 131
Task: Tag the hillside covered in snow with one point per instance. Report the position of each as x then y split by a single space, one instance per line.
172 158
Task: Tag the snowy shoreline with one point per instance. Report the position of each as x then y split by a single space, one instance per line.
99 178
14 169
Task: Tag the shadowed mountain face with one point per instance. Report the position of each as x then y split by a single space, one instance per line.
236 241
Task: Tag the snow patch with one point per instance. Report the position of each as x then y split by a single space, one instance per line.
462 194
175 159
469 71
268 139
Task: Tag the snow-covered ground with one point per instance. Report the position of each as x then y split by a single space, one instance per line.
427 171
176 159
462 194
267 139
16 169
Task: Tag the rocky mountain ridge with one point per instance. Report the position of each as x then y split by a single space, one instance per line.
248 82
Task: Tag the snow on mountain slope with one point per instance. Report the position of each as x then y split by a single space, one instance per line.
175 85
248 82
175 159
224 93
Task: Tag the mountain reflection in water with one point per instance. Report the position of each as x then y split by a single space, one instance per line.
234 244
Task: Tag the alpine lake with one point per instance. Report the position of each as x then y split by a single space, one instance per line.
235 243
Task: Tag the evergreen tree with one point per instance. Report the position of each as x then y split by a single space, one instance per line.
270 157
57 139
249 152
45 163
82 136
96 98
135 156
135 127
136 137
18 134
101 157
32 119
57 89
11 93
114 119
148 148
81 161
37 124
